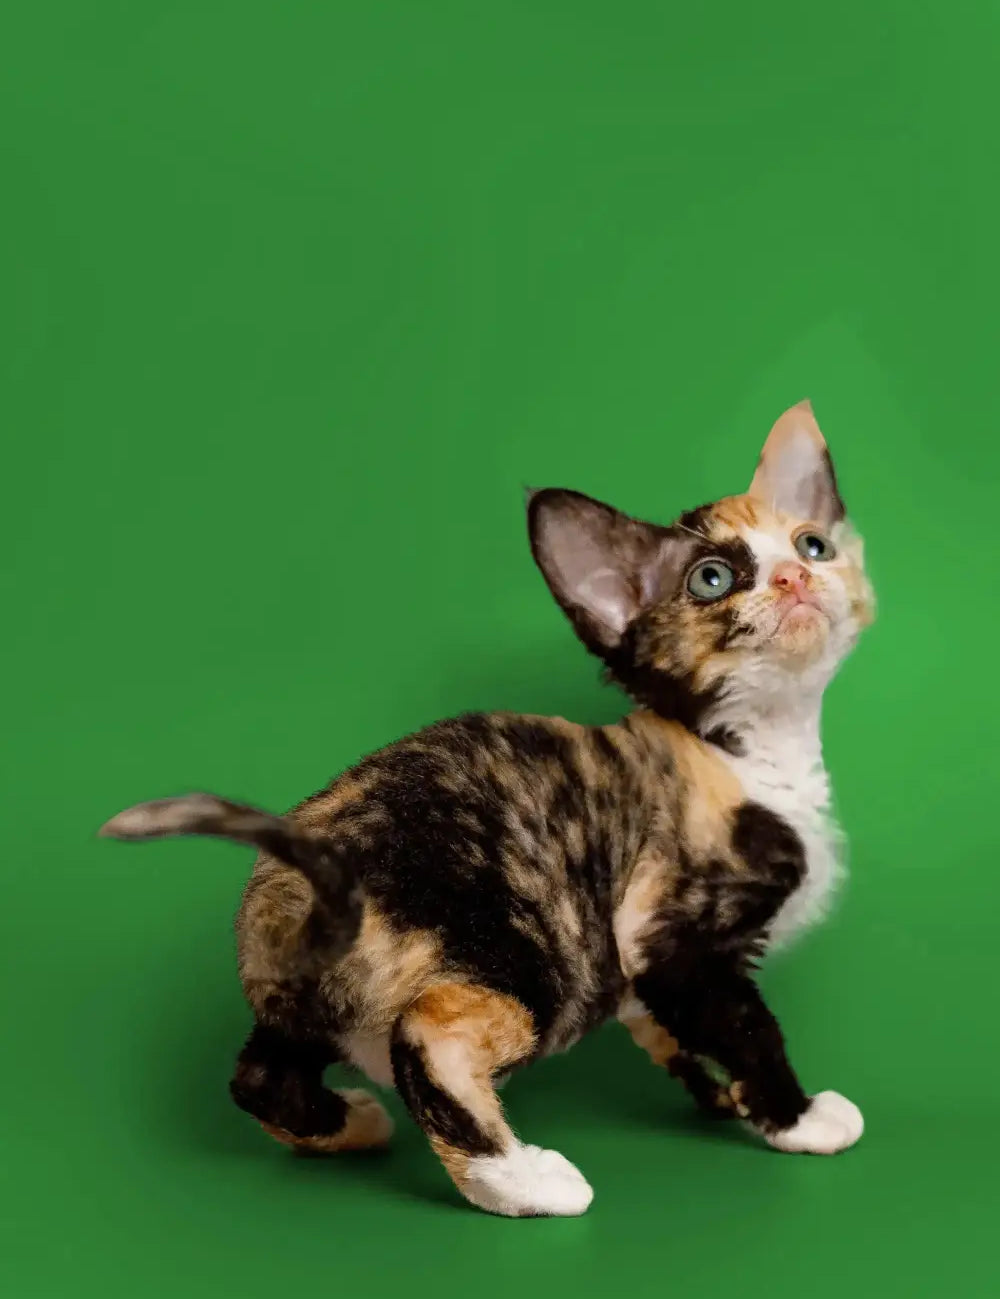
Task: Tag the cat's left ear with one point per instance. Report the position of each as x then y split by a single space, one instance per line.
795 474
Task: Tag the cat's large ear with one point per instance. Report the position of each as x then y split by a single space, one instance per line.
602 566
795 474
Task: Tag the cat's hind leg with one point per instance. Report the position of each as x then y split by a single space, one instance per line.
447 1048
280 1082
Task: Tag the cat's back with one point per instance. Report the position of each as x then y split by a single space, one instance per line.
472 792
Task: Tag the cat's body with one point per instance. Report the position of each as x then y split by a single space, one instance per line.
488 890
565 847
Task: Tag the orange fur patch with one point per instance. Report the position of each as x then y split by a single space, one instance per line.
494 1028
735 513
658 1044
348 791
736 1090
710 790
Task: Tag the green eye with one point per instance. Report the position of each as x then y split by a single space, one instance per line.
811 545
710 580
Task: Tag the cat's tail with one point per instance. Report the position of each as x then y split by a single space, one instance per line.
336 917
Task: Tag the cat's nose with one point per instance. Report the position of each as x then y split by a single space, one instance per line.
790 578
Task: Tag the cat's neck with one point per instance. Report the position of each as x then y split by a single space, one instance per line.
775 745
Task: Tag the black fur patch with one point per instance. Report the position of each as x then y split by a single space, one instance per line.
698 520
280 1082
769 846
708 1095
727 740
439 1114
738 556
672 695
715 1010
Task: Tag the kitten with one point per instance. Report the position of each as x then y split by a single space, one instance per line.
486 891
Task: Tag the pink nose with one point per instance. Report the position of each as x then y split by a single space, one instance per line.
791 578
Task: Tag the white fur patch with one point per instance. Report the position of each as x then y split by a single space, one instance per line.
830 1124
527 1182
783 771
630 1007
369 1052
770 546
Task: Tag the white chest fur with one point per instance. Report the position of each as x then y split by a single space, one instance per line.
783 771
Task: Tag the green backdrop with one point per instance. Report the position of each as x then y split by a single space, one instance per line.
296 299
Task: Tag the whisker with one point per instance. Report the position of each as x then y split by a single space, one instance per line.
694 533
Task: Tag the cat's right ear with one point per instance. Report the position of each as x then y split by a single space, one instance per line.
602 566
795 473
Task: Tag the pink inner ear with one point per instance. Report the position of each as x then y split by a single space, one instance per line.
795 475
609 596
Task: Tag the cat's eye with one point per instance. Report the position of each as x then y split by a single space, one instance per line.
813 545
710 580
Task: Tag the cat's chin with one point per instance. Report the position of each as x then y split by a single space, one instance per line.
802 633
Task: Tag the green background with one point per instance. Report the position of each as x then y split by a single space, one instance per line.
296 299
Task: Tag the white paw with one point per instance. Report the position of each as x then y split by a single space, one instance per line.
831 1123
527 1182
367 1124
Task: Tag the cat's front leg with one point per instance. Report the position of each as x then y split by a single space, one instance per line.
715 1011
702 1079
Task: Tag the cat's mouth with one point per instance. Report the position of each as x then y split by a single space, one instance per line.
799 616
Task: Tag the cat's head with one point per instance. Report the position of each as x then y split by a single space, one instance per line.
735 606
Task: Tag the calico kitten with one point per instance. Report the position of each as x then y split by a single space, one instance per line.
486 891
